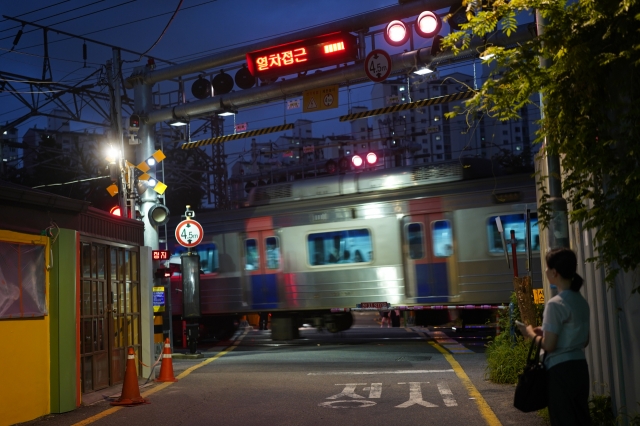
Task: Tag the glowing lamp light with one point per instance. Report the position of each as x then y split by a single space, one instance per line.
372 158
357 161
151 161
428 24
116 211
396 33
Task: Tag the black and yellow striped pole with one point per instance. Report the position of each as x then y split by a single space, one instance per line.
410 105
227 138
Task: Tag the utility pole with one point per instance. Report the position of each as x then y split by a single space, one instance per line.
114 78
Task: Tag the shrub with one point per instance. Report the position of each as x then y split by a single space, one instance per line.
506 354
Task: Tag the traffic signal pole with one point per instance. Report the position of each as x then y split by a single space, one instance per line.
143 104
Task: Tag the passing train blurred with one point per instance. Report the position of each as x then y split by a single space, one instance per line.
308 251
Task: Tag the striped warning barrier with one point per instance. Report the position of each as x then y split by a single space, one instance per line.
410 105
420 308
226 138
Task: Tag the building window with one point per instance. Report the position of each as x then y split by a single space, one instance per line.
23 280
438 146
517 129
439 156
505 132
518 139
424 121
505 142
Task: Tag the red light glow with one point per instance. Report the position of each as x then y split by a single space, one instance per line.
396 33
303 55
428 24
281 59
372 158
115 211
357 160
334 47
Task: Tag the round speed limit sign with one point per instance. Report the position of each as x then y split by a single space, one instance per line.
189 233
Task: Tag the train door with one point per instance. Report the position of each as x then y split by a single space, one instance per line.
428 243
262 268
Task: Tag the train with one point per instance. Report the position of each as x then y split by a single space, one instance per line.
415 237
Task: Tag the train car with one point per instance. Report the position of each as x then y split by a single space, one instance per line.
414 237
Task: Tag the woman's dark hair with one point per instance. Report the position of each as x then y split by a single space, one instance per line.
564 261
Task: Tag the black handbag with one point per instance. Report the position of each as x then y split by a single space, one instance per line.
531 391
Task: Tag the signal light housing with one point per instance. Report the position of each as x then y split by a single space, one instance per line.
396 33
158 215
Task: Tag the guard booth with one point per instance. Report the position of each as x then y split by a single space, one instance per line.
84 266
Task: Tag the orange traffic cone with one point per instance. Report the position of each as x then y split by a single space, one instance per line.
130 391
166 368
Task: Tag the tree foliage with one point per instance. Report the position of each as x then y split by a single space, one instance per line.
591 53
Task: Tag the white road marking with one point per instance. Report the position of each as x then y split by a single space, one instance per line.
415 397
375 391
349 391
360 404
345 373
447 395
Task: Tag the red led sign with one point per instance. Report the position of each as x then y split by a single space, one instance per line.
160 254
303 55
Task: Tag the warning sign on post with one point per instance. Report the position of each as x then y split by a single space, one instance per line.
320 99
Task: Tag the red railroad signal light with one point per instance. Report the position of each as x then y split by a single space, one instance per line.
428 24
359 161
116 211
396 33
372 158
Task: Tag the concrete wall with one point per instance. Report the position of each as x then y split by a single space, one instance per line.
24 356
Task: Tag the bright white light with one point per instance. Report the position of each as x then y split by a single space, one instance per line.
423 71
485 56
226 113
152 182
113 154
151 161
401 88
178 123
357 160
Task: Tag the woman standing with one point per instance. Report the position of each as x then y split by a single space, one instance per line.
564 334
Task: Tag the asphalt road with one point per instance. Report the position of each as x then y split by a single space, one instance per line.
364 376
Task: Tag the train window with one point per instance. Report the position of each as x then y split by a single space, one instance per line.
253 258
273 252
352 246
442 238
515 222
415 236
208 258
